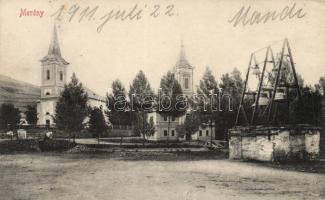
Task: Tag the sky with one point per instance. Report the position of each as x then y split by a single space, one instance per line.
152 44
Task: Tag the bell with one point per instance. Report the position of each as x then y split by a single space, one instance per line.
256 70
275 69
263 99
279 94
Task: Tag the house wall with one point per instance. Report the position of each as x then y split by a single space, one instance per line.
204 136
275 145
161 126
43 107
47 105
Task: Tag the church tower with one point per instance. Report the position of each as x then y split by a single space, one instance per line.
184 73
53 72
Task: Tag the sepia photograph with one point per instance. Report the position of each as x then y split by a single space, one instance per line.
162 99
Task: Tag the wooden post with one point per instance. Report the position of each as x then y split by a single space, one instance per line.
241 109
276 83
260 85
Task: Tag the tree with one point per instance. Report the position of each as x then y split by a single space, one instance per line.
141 99
31 114
307 110
117 105
191 125
232 86
97 123
143 126
150 127
9 116
171 101
71 108
322 93
207 103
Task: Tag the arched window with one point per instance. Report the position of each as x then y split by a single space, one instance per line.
186 83
48 75
61 76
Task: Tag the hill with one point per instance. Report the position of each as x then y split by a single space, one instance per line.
18 93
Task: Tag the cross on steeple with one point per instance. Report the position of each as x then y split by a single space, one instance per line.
182 55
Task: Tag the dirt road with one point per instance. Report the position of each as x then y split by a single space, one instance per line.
64 176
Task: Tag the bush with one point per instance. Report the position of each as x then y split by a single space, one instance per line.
29 145
55 145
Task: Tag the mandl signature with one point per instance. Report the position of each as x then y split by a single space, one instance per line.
245 16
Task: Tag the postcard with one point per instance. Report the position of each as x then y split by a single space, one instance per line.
162 99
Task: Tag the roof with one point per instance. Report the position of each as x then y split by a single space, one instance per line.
93 95
54 52
182 61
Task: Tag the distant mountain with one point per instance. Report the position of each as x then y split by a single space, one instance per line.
18 93
22 94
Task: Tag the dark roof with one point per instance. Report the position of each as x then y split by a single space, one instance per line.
93 95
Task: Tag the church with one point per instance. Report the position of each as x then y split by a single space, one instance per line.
53 78
183 71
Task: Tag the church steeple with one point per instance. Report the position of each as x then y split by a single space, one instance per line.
184 73
182 53
54 48
182 61
54 52
53 73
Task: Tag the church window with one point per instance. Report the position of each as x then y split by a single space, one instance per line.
200 133
207 132
48 75
165 133
165 118
186 85
173 132
61 76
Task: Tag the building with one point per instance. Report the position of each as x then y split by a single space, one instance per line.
161 128
54 77
184 75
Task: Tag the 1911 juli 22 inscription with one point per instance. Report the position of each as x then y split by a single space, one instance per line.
136 12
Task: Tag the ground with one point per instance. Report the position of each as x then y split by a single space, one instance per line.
150 175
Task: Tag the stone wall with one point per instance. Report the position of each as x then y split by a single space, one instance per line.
274 143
